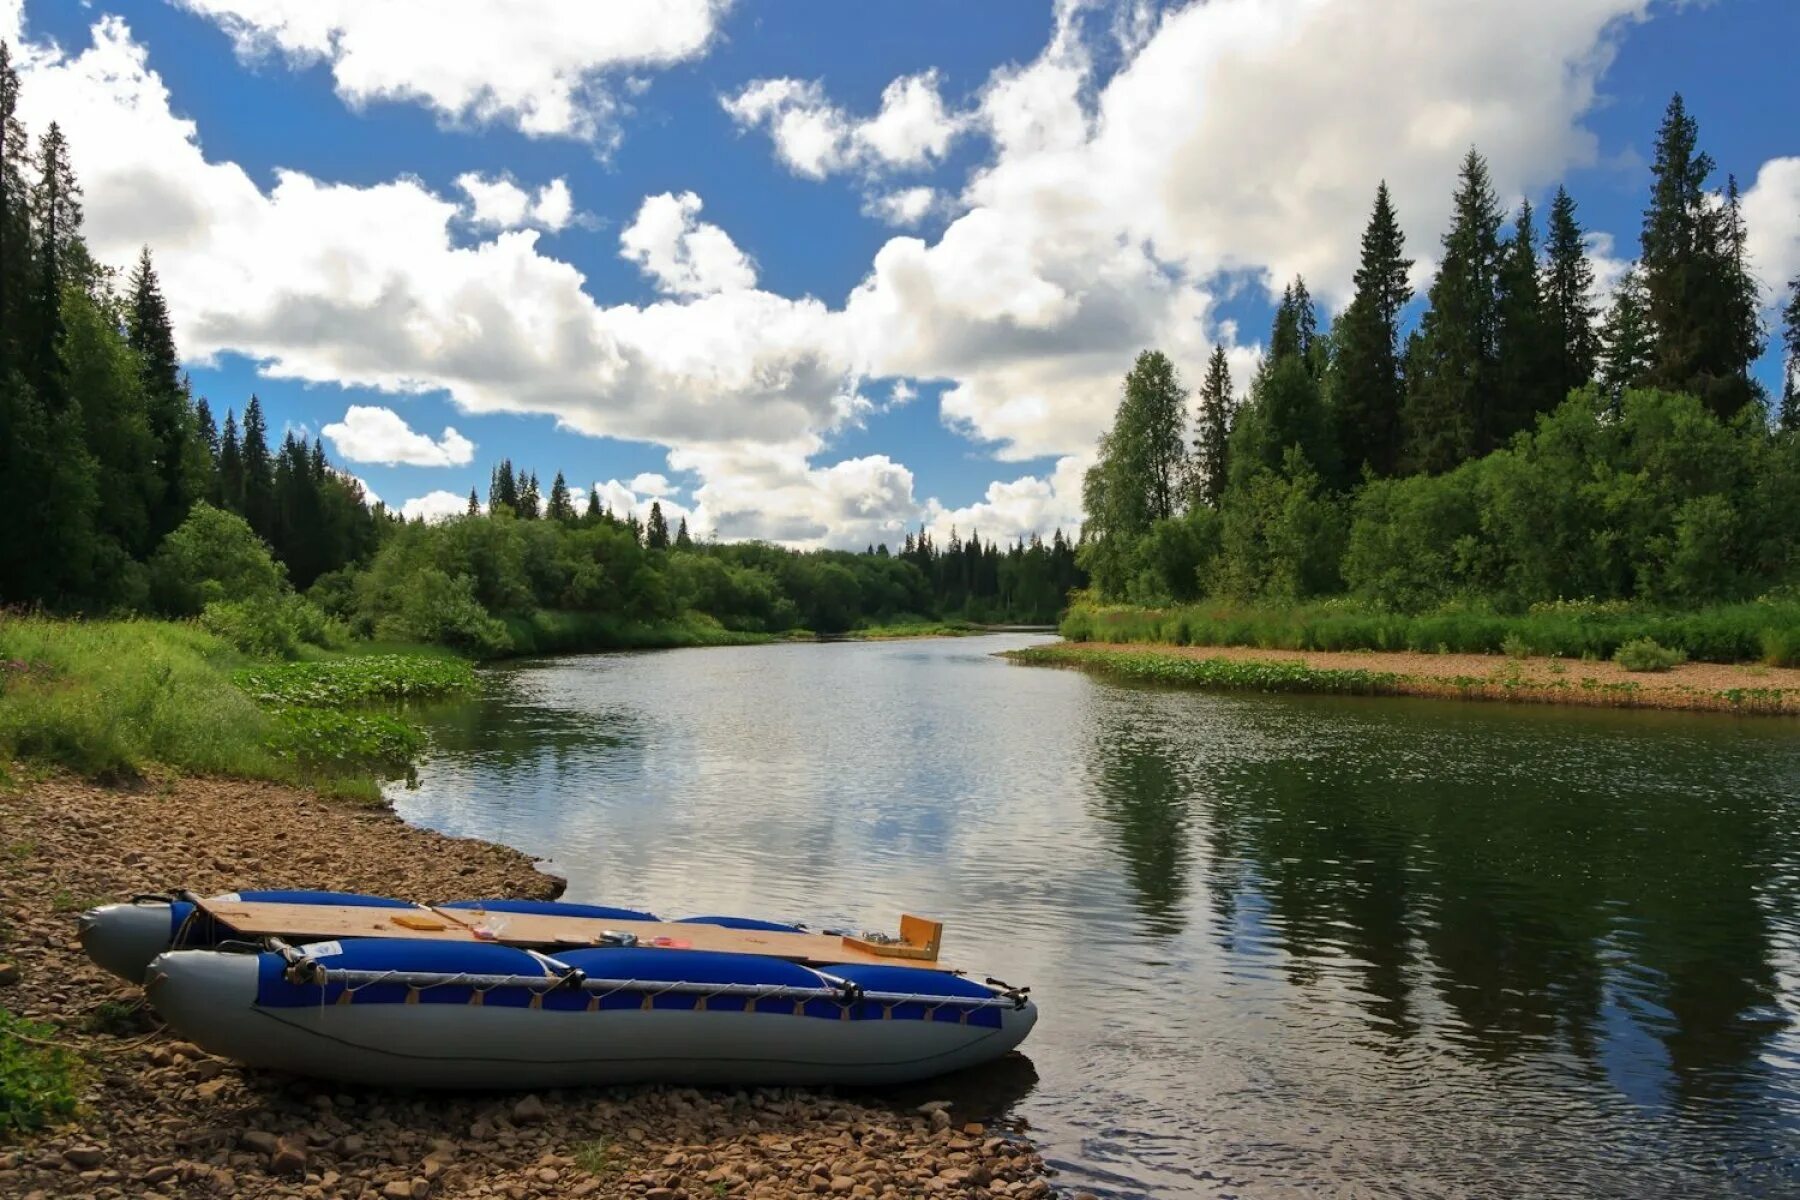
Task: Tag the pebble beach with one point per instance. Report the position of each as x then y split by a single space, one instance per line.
162 1120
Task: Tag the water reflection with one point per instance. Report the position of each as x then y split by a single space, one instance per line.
1283 946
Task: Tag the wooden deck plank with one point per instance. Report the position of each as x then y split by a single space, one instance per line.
535 930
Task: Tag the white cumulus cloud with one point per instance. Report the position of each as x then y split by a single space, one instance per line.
435 506
815 138
651 484
543 66
371 434
1772 220
500 203
905 207
684 255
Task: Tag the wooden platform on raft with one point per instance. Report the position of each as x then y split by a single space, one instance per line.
549 933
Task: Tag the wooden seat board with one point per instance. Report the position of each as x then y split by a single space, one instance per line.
537 931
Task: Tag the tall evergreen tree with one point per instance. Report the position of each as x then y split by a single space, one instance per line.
1450 365
593 506
16 275
149 333
1790 374
231 466
1366 385
656 531
685 542
1627 342
1568 289
1212 438
259 472
1526 372
561 508
530 500
56 220
1702 300
503 488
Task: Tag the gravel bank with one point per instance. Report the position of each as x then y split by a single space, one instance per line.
164 1120
1695 686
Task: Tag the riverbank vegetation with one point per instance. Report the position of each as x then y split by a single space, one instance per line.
113 700
1515 473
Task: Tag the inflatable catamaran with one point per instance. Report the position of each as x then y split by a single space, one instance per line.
530 994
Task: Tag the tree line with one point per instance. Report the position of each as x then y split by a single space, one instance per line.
1515 445
125 494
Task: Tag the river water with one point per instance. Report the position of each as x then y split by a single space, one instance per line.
1282 945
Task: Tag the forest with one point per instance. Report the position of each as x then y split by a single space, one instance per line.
1513 450
130 496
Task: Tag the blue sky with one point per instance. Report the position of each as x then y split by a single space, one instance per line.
1104 176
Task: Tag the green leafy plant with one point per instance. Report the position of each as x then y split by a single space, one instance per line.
39 1082
1645 654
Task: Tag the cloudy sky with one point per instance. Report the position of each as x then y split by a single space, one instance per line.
817 271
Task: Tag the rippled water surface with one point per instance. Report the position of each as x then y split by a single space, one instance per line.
1283 946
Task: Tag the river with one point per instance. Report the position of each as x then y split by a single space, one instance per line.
1282 945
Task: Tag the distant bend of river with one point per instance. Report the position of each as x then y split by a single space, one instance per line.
1282 945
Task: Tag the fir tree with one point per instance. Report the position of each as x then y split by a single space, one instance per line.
1450 363
1525 366
15 223
561 508
656 532
1702 299
1627 342
530 499
1789 414
593 506
684 542
1568 290
56 219
474 509
165 400
259 472
231 466
1211 441
1366 386
206 427
503 489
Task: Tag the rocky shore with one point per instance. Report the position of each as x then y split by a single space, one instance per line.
161 1120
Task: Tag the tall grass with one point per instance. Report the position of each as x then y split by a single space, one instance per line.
1768 631
110 700
106 699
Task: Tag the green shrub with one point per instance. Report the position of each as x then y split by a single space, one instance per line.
1781 648
272 626
1514 646
39 1083
1645 654
212 556
436 607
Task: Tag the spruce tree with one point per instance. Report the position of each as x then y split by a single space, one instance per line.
16 274
685 542
259 472
56 220
1568 289
474 509
1702 299
1212 438
656 532
1451 363
1366 386
150 334
1627 342
530 499
592 515
1789 414
561 509
1525 362
231 466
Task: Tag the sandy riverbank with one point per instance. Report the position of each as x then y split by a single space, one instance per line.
1697 686
163 1120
